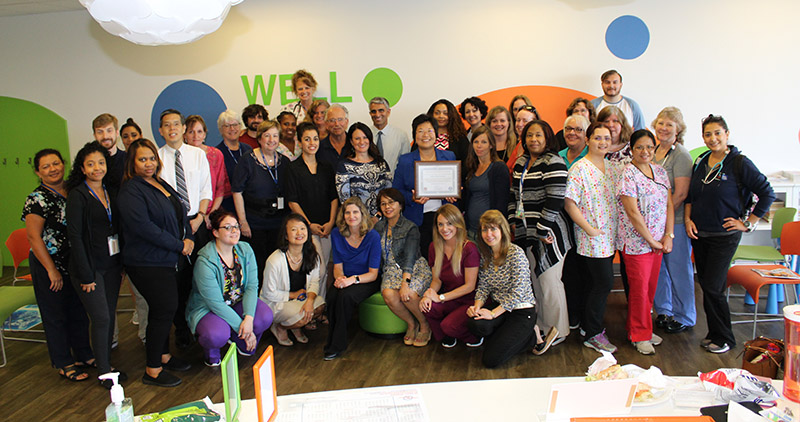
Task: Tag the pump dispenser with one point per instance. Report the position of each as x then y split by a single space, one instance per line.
121 408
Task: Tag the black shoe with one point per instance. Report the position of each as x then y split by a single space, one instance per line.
177 364
183 340
662 321
164 379
675 327
122 377
331 355
449 342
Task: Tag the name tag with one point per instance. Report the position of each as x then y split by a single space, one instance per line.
113 244
280 203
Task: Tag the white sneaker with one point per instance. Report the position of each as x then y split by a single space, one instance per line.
644 347
656 339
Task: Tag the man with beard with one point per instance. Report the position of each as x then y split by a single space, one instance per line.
106 131
252 116
288 135
611 81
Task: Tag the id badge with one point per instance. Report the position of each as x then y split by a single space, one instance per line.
520 211
280 203
113 244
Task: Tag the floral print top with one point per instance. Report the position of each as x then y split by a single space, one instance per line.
363 180
593 192
651 197
509 284
51 206
232 289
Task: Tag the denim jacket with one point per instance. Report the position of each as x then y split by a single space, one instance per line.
405 242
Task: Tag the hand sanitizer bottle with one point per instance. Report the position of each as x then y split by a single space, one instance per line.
121 408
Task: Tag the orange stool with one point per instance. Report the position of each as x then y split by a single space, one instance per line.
744 276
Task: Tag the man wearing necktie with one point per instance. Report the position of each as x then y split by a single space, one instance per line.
391 141
185 168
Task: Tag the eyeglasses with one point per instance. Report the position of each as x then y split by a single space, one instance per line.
230 125
337 120
569 129
644 148
387 203
231 227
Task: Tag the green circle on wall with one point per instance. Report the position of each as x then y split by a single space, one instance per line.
382 82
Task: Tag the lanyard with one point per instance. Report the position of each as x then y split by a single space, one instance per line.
105 193
520 205
53 190
664 160
274 157
233 156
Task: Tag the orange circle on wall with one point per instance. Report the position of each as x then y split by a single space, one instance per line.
550 101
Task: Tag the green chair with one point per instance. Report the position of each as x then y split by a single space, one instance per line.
11 299
375 317
767 253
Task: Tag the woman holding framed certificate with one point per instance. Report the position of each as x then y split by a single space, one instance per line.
420 210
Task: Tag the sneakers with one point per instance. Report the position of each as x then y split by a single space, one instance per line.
449 342
656 340
212 363
644 347
714 348
164 379
704 344
476 344
558 340
600 343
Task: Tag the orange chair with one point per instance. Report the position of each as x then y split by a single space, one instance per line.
17 243
744 275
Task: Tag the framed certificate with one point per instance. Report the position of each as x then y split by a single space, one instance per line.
266 389
230 385
437 179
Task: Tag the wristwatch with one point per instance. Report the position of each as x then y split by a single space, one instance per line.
671 235
358 280
441 297
749 226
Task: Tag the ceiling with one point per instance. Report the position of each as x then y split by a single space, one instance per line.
30 7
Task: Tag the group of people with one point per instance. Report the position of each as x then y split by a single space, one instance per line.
286 227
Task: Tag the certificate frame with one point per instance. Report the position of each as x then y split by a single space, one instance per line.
266 386
437 179
230 385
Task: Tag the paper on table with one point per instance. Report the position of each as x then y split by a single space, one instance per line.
384 405
599 398
739 413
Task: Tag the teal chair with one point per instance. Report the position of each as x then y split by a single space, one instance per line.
375 317
11 299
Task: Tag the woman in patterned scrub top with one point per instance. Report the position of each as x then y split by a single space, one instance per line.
592 205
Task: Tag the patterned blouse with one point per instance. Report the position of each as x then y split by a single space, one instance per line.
363 180
593 193
442 142
232 289
51 206
291 155
509 284
651 198
623 155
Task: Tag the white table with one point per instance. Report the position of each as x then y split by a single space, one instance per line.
505 399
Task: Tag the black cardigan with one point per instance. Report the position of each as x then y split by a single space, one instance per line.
500 191
88 230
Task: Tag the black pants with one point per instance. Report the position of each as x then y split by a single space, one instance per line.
183 280
159 288
596 276
426 233
505 336
712 256
576 297
101 305
264 243
342 303
66 326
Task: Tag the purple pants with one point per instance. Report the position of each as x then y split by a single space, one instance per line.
213 332
449 319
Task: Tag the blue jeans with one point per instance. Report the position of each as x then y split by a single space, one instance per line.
675 291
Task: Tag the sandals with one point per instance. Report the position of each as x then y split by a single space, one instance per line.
299 336
87 364
311 326
73 373
422 339
284 342
408 340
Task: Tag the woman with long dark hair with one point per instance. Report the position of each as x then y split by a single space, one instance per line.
362 172
451 135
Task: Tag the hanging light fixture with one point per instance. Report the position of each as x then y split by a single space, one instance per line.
159 22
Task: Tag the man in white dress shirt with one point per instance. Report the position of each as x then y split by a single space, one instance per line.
391 141
185 168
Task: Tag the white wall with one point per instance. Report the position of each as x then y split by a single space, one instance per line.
733 58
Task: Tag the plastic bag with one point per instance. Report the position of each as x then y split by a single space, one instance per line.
733 384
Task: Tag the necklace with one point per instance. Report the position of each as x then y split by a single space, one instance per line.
294 261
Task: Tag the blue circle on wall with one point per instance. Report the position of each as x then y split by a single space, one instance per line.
189 97
627 37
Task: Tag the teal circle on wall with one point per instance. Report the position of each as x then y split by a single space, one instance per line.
627 37
382 82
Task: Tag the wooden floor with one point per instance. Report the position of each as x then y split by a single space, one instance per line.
31 390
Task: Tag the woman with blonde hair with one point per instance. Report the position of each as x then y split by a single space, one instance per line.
455 262
509 319
356 260
674 299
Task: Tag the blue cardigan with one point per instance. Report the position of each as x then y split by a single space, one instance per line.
153 236
404 181
209 280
